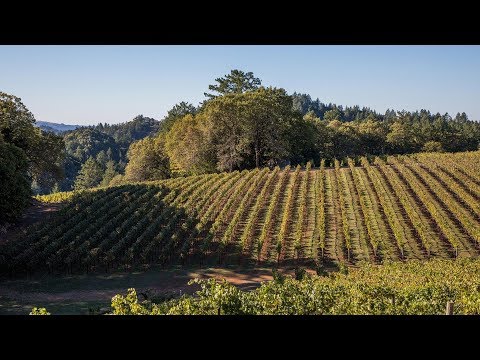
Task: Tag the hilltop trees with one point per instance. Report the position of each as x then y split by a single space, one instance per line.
244 125
176 112
234 131
236 82
126 133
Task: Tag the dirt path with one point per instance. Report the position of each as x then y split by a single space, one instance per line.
36 212
80 293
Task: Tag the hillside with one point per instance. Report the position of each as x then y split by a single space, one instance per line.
410 207
55 127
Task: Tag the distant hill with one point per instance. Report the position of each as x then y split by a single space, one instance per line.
103 142
55 127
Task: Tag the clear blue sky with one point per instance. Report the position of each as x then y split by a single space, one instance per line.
91 84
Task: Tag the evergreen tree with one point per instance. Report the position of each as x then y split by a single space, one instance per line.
236 82
102 159
89 176
110 173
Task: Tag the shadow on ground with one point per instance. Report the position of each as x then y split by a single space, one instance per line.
82 294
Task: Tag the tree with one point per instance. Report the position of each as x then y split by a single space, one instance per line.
331 115
89 176
269 118
109 174
432 146
82 143
372 136
234 83
177 112
147 160
47 157
238 131
223 124
16 122
102 159
189 147
126 133
14 182
400 138
44 150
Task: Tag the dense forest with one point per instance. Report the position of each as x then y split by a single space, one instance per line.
241 125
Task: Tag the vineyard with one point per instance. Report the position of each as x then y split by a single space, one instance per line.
356 210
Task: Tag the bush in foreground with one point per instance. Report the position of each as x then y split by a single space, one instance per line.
413 287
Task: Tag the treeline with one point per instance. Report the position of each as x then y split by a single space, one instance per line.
244 125
96 154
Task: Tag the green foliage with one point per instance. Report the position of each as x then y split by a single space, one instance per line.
14 182
147 160
43 150
236 82
106 143
84 143
89 176
16 122
126 133
56 197
264 216
189 147
128 304
109 174
300 273
411 288
177 112
432 146
39 311
234 131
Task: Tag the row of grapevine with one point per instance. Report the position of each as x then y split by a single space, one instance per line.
387 205
470 225
434 208
367 211
362 248
264 241
245 202
411 207
418 220
247 236
221 212
286 218
318 234
343 210
450 183
334 237
450 168
302 211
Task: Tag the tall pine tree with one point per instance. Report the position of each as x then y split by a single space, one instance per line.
89 176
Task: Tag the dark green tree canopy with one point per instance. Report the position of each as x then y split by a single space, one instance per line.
178 111
44 150
14 182
126 133
234 83
16 122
